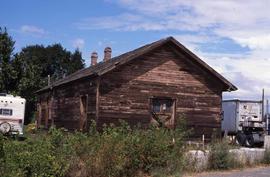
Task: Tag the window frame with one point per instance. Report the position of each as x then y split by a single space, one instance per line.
5 114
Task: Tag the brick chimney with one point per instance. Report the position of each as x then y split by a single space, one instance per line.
107 54
94 58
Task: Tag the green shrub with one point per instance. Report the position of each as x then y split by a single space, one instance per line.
31 128
56 137
220 158
34 157
266 158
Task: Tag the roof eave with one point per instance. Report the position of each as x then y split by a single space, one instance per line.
51 87
231 87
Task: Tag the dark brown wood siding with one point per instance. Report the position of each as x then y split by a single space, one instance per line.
66 103
125 92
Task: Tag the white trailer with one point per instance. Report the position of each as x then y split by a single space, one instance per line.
244 119
12 109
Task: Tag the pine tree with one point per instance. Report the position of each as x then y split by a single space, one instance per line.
76 61
6 49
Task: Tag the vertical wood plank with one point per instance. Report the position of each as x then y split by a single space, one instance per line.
39 115
52 108
46 113
97 99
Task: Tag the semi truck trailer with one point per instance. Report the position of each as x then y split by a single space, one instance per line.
244 120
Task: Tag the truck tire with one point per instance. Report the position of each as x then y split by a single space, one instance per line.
240 139
250 141
5 127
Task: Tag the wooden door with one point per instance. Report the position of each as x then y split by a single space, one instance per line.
83 113
163 112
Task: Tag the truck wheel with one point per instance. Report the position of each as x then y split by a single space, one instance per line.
240 139
5 127
250 141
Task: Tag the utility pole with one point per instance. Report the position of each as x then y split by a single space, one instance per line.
267 117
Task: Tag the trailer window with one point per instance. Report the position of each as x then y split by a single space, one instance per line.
6 112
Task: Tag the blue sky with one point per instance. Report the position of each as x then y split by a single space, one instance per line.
233 36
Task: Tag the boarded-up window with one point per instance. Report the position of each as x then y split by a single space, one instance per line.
163 112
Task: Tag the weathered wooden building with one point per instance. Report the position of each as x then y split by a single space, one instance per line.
158 83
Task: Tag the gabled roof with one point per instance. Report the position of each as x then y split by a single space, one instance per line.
104 67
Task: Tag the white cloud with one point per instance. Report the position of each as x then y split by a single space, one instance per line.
236 20
255 42
78 43
200 13
228 18
248 74
32 30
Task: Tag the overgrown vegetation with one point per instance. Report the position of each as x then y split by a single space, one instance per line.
114 152
118 151
220 158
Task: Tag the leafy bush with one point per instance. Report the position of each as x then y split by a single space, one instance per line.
30 128
220 158
33 158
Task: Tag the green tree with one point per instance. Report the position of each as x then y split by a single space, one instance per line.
6 49
76 61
